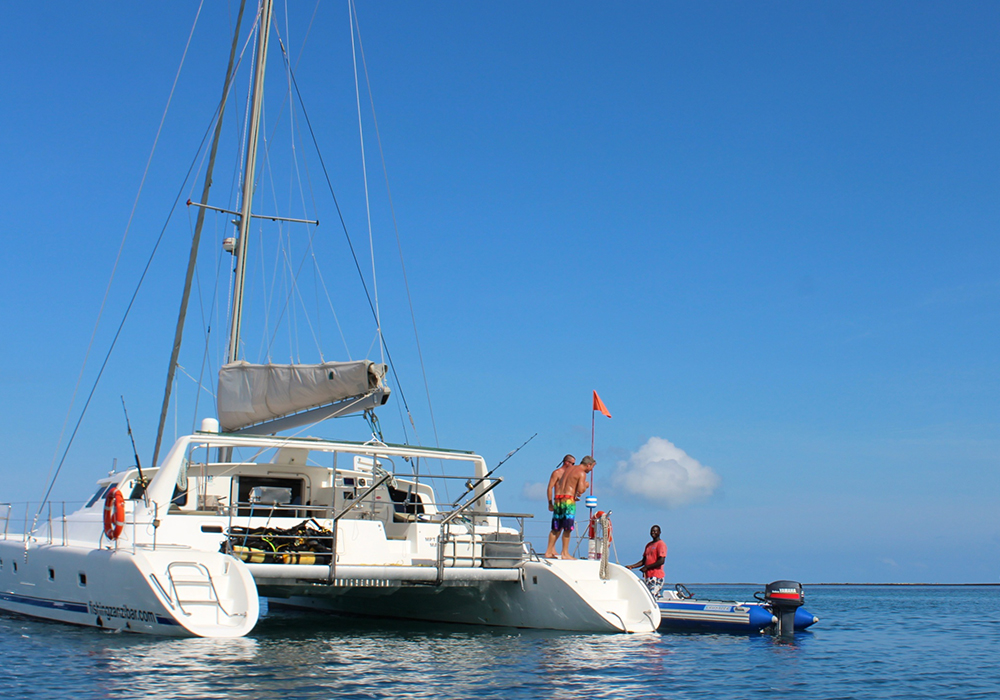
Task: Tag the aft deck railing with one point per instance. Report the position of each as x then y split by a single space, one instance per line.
459 542
5 511
8 513
477 549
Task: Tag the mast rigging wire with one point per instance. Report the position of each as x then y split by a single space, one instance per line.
177 199
364 169
372 305
107 291
399 245
196 240
347 235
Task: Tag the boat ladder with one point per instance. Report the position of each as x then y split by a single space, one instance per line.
193 588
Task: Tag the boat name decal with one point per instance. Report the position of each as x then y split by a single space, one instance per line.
122 611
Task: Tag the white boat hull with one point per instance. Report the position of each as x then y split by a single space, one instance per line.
165 592
549 594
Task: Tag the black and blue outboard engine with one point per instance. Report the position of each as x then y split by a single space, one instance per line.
784 598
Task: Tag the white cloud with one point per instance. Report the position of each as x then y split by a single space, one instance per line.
533 492
664 473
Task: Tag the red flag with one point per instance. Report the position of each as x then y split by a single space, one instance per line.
599 405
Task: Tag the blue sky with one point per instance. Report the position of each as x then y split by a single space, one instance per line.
764 233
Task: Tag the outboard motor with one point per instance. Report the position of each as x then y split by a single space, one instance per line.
784 597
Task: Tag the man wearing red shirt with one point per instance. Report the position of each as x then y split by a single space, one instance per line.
652 560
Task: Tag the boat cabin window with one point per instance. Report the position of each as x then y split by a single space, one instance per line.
262 493
180 497
406 501
100 492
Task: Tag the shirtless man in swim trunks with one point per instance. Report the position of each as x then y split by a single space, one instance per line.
569 488
568 462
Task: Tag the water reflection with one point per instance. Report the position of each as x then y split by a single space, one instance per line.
309 656
431 661
151 666
872 643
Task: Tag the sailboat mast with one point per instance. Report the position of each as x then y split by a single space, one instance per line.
242 243
196 240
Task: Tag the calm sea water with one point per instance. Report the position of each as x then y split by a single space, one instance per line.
871 642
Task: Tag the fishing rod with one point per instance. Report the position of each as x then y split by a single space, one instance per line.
469 485
142 479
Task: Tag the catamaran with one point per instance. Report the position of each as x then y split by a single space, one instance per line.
246 506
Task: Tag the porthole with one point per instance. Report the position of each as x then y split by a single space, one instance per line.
15 567
52 574
83 579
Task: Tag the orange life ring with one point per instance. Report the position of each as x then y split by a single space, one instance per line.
114 513
593 525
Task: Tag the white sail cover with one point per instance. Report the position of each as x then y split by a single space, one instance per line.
250 394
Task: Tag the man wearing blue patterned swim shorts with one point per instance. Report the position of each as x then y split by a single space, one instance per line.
568 462
563 513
